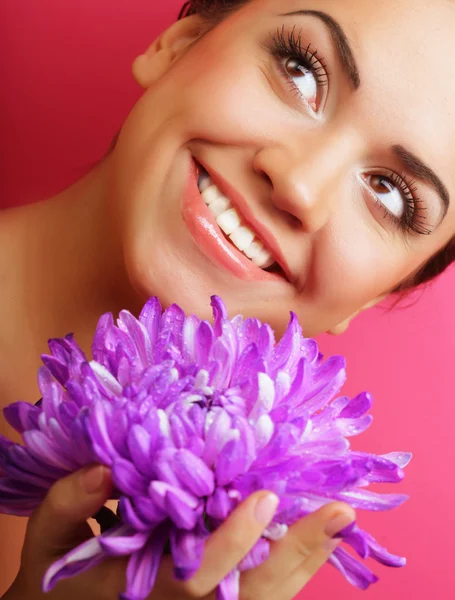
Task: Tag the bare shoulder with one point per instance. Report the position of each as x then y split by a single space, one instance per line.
12 528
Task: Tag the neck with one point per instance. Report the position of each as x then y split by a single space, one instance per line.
61 267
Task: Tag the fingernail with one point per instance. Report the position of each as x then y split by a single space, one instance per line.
337 524
93 479
266 509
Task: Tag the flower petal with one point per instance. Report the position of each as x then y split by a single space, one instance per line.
139 336
148 511
229 588
42 447
219 314
231 462
356 538
357 407
143 567
193 473
220 505
275 532
266 397
382 555
402 459
217 425
352 427
128 479
129 515
123 544
370 500
22 416
264 429
98 430
355 572
106 379
286 353
150 317
182 513
257 555
79 560
139 444
187 549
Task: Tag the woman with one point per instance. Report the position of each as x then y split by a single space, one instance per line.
304 131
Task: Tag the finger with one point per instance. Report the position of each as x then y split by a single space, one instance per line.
298 556
69 503
298 579
229 544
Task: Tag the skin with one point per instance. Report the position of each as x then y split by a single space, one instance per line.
307 177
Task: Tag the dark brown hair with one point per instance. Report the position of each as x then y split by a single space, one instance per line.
212 10
215 11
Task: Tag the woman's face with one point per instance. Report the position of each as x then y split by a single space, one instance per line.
329 138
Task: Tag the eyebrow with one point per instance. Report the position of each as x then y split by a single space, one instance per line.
342 45
423 172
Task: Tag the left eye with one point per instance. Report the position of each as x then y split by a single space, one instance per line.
305 80
389 194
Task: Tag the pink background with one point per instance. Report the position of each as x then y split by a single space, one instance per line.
65 69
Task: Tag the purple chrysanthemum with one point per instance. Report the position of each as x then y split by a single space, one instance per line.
192 418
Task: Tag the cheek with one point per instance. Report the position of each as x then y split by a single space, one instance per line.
227 101
355 267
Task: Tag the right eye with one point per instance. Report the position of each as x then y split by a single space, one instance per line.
301 66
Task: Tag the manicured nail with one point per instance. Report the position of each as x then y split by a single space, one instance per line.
93 479
337 524
266 509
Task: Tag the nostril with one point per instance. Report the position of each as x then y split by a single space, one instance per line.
293 221
267 179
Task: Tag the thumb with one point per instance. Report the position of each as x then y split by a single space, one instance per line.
68 504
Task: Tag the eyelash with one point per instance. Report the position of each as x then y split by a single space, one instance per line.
413 219
289 45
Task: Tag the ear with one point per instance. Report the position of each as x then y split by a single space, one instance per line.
170 45
344 325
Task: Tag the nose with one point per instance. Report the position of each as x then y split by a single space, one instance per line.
307 181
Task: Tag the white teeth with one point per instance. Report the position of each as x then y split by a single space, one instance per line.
254 249
210 193
242 238
229 221
264 259
219 205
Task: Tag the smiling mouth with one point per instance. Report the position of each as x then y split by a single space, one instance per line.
232 225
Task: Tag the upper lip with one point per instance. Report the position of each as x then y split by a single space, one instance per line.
242 207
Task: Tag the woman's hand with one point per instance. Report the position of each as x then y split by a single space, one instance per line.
60 524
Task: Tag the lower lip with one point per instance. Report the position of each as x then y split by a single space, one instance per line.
210 239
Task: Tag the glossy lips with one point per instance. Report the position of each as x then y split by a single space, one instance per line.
209 237
231 223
